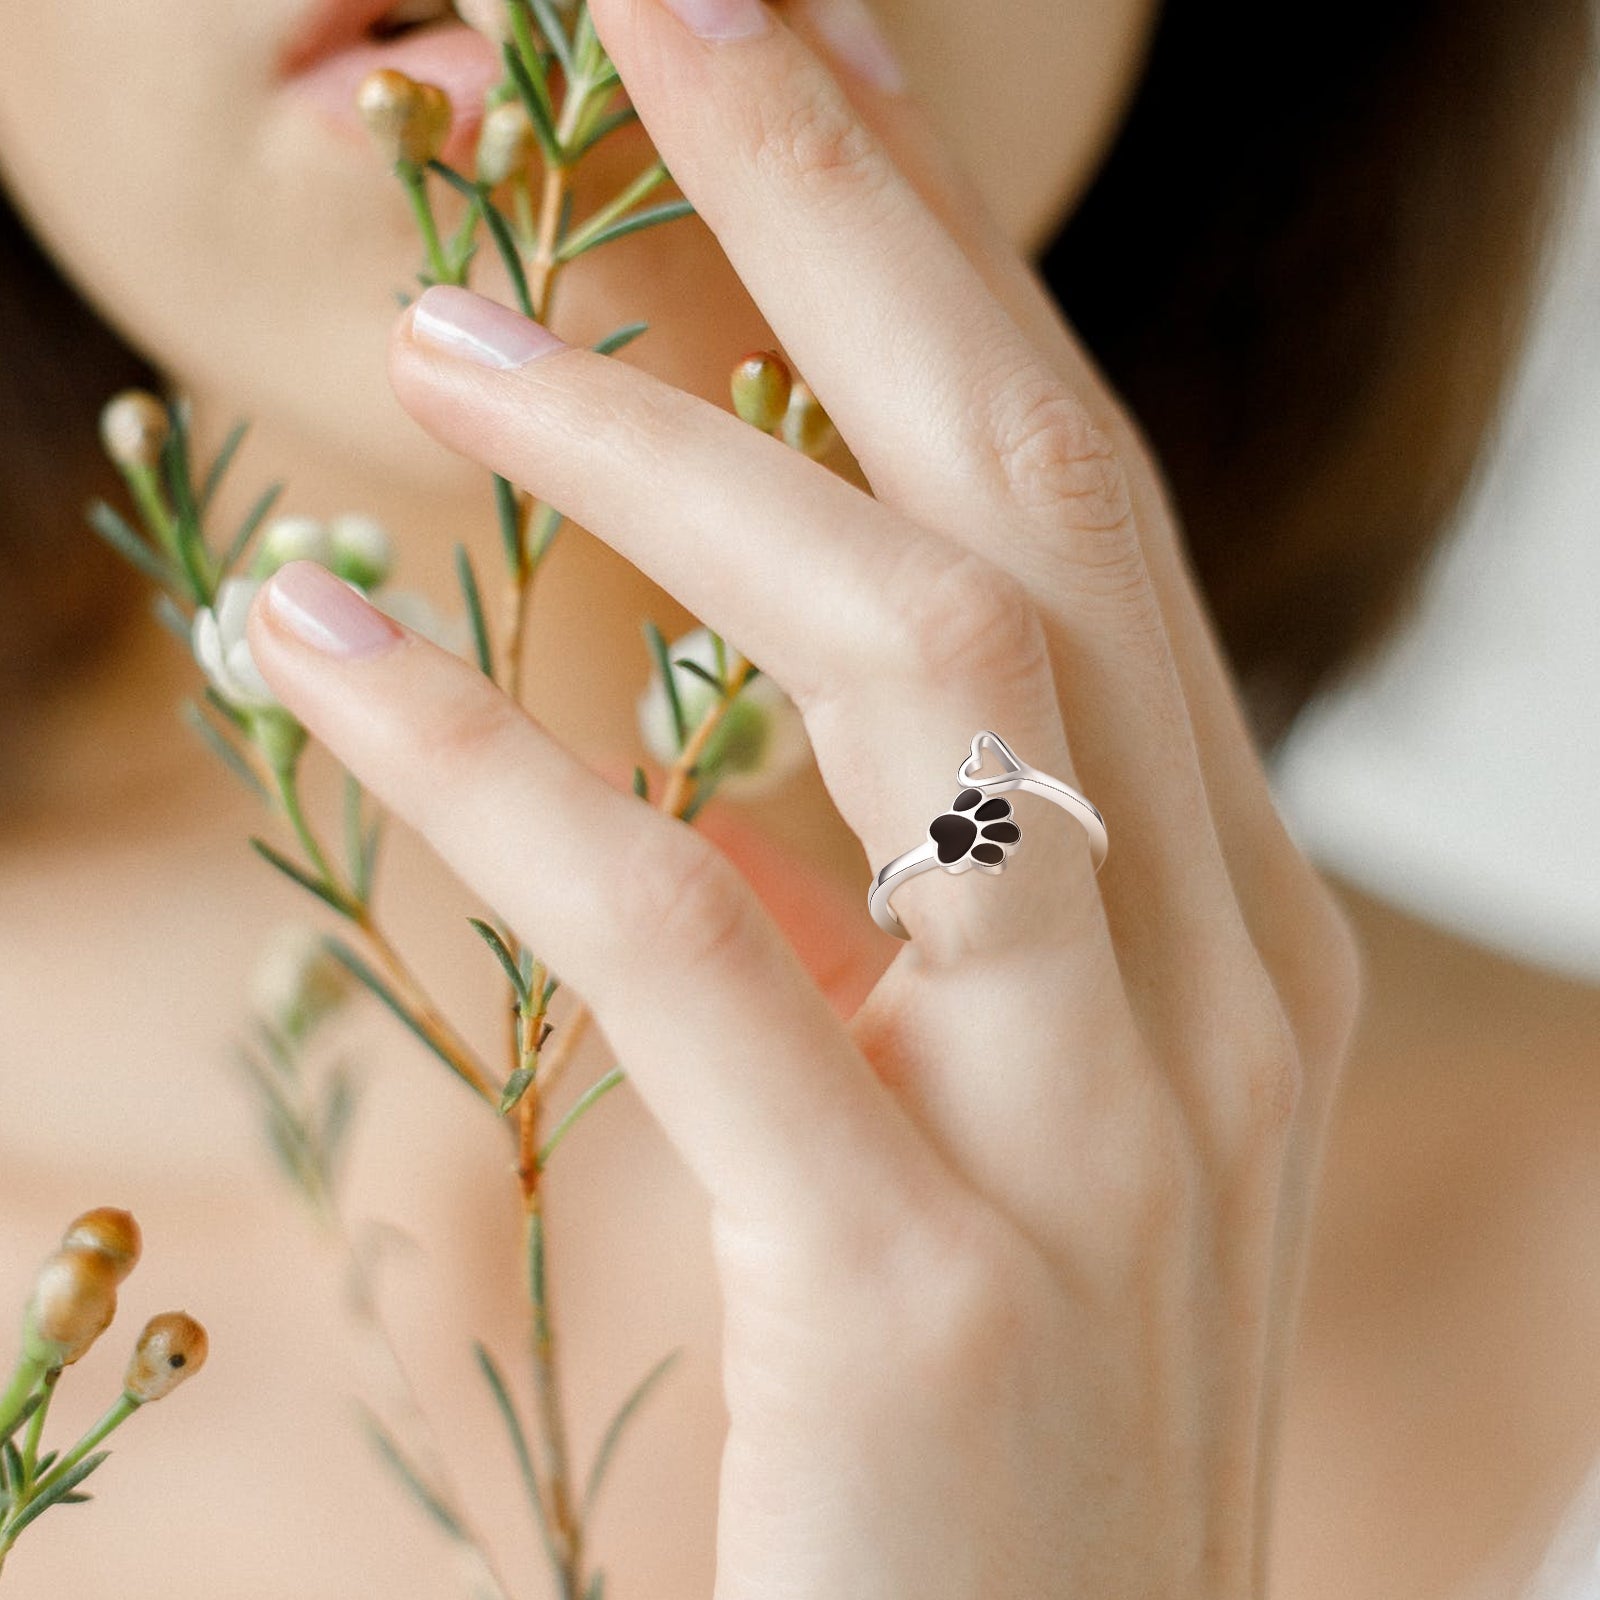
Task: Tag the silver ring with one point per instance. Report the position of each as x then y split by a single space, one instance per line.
979 832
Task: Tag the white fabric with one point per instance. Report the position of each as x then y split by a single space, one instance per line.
1459 777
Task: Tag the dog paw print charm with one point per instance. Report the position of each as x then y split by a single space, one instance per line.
975 832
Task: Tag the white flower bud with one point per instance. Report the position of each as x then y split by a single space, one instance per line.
172 1348
761 741
416 612
296 984
488 17
505 141
359 549
287 539
133 428
223 651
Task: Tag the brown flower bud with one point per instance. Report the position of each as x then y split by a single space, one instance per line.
113 1233
172 1347
505 141
806 426
408 121
74 1299
761 387
133 428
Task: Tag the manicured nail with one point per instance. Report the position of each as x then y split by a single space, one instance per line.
853 35
721 19
323 611
478 329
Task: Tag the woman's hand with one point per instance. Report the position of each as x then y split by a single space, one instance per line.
1009 1260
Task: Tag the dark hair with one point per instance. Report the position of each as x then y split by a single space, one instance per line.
64 598
1304 264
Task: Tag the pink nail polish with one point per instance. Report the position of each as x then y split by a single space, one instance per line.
721 19
478 329
325 612
852 33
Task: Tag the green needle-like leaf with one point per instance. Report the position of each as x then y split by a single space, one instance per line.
358 969
253 519
505 505
650 217
669 682
219 467
537 102
468 580
701 673
593 1093
641 783
550 25
323 892
506 245
519 1441
613 1434
59 1490
120 536
504 956
416 1486
603 129
621 339
516 1086
224 749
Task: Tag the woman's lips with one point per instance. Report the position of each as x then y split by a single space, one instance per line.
449 54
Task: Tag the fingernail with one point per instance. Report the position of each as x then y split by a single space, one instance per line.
853 35
478 329
327 613
721 19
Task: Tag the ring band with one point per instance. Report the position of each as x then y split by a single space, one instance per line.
978 831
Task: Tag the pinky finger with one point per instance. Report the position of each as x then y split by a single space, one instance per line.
732 1047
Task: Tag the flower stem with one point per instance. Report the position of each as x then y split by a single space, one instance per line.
121 1409
24 1381
30 1440
414 179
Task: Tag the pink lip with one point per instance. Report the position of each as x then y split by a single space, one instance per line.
325 74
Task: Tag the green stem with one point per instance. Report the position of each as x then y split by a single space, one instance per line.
30 1440
289 794
19 1392
145 484
568 1533
123 1408
613 211
414 179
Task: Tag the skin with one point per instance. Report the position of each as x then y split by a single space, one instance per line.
1070 1233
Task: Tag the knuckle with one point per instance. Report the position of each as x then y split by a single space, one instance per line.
960 618
1053 457
474 730
680 894
813 139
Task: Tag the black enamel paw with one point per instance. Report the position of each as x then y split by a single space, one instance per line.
975 833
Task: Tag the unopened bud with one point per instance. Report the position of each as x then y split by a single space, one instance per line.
408 120
505 141
172 1347
806 427
488 17
113 1233
761 387
133 428
74 1299
292 538
296 983
359 549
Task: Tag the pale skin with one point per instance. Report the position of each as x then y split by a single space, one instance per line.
1060 1138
